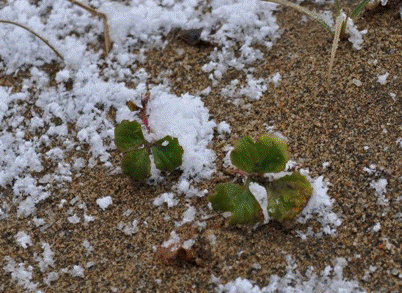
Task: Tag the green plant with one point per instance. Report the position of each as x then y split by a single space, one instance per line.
136 163
341 21
287 196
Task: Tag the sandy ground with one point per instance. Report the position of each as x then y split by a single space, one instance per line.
324 123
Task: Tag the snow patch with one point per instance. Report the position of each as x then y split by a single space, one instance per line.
260 194
187 119
188 216
319 206
46 260
330 280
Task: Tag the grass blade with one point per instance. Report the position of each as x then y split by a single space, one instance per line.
338 7
359 7
305 11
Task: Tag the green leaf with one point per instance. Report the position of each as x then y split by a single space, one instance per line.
137 164
239 201
167 153
359 7
268 154
337 7
288 196
128 135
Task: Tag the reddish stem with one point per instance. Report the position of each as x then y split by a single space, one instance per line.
143 114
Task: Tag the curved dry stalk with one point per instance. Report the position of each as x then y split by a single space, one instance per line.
301 9
35 34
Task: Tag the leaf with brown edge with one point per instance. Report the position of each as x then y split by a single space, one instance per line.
288 196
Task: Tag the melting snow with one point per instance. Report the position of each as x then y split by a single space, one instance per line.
319 206
330 280
93 92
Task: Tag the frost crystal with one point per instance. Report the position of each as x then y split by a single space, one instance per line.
167 198
356 36
19 273
104 202
77 271
23 239
380 187
382 79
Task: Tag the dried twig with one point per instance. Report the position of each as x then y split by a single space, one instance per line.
35 34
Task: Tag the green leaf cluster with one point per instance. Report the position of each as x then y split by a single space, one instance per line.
136 163
287 196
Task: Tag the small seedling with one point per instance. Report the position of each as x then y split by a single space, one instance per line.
136 163
341 21
287 196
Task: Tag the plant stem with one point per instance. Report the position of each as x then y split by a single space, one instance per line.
35 34
103 16
143 111
340 21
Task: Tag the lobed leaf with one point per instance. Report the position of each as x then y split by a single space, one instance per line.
128 135
167 153
268 154
288 196
137 164
238 200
